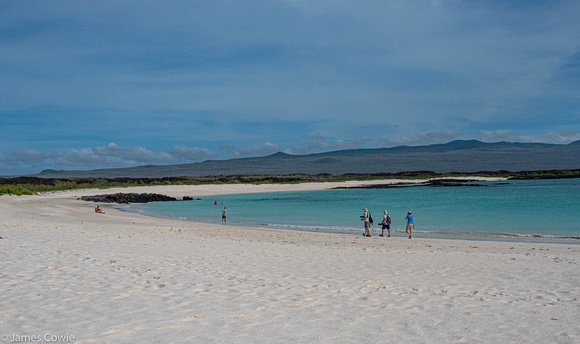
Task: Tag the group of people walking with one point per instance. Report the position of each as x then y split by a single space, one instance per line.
386 223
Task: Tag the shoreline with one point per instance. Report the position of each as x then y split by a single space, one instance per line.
474 236
499 237
229 189
205 190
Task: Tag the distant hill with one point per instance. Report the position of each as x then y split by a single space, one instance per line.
456 156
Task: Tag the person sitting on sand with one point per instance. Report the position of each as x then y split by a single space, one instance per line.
99 210
410 224
386 224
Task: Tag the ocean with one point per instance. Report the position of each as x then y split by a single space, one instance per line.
519 208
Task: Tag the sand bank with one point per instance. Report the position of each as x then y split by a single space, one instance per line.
125 278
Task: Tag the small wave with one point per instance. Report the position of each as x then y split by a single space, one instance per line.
308 227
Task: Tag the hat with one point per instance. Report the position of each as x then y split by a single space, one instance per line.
409 213
365 209
385 212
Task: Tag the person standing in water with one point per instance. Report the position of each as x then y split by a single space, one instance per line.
386 224
410 224
224 215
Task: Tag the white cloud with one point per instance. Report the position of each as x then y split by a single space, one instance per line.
267 148
562 137
498 135
425 138
110 156
552 137
191 154
353 144
315 143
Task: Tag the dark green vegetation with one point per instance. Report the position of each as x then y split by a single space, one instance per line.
31 185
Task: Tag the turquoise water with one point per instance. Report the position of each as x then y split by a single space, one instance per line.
548 208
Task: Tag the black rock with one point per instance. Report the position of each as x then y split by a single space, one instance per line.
124 198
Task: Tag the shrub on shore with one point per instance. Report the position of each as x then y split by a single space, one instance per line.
31 185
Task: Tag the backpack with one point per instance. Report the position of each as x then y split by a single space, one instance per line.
388 219
370 218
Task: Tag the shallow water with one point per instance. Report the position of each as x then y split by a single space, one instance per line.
549 208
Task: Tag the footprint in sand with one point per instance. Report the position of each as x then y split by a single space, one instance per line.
93 341
193 318
170 327
121 330
241 316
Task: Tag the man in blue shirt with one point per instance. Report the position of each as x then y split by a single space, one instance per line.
410 224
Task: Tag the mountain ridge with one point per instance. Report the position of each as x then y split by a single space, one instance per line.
454 156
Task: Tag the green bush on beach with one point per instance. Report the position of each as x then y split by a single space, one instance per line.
31 185
18 190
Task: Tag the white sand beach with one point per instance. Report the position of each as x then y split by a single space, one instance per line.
69 274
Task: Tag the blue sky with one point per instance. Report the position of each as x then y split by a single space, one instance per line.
87 84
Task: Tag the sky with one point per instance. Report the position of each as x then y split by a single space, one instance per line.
108 84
